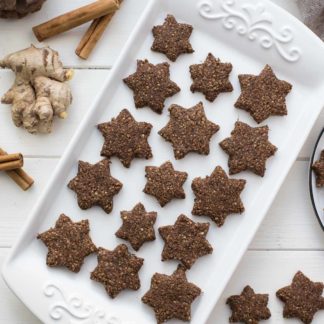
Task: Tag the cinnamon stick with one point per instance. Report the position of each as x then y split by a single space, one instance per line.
74 18
93 34
22 179
11 162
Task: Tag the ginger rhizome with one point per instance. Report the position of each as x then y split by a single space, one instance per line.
40 91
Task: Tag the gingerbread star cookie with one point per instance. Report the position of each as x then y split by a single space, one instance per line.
68 243
217 196
249 307
211 77
126 138
171 296
248 149
318 168
172 38
165 183
188 130
94 185
303 298
117 270
185 241
138 226
263 95
151 85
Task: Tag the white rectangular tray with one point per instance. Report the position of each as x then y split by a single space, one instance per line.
247 33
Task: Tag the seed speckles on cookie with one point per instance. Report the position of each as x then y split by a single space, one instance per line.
263 95
68 243
94 185
171 296
248 149
211 77
165 183
172 38
117 270
249 307
126 138
185 241
138 226
189 130
318 168
151 85
217 196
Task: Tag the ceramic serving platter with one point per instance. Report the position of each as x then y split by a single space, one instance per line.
317 194
247 33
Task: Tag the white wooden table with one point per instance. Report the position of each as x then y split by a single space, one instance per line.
290 238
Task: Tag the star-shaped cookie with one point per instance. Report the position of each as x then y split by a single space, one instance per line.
263 95
165 183
117 270
151 85
68 243
138 226
185 241
94 185
249 307
188 130
171 296
217 196
248 149
211 77
303 298
172 38
318 168
126 138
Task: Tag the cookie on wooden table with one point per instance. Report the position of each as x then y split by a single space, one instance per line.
248 149
172 38
171 296
185 241
68 243
189 130
249 307
217 196
165 183
117 270
303 298
318 168
211 77
94 185
151 85
126 138
263 95
138 226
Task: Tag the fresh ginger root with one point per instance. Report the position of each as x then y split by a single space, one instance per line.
39 92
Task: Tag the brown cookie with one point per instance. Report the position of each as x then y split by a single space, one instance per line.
165 183
126 138
303 298
95 186
151 85
211 77
172 38
138 226
117 270
185 241
68 243
318 168
263 95
248 149
249 307
188 130
171 296
217 196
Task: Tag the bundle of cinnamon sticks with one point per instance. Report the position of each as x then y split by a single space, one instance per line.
12 165
101 12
